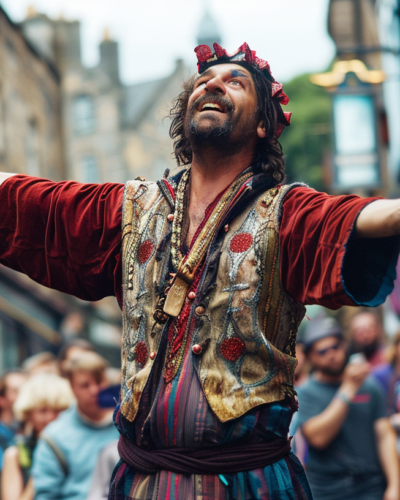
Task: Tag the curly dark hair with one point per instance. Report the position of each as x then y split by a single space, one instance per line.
268 156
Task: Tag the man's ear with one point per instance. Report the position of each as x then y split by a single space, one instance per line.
261 131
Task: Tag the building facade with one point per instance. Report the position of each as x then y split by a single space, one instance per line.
79 123
112 132
30 115
388 14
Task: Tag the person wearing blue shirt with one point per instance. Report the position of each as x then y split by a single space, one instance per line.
67 452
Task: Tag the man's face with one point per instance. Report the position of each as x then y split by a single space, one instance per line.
13 384
328 356
222 109
86 390
364 329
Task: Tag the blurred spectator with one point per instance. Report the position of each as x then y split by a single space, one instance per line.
44 362
10 383
40 400
352 447
66 454
108 459
388 377
73 325
366 336
109 456
388 374
302 371
71 350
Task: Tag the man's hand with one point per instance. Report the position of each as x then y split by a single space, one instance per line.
322 429
353 378
379 219
392 493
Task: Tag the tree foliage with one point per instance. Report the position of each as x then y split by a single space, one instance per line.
308 141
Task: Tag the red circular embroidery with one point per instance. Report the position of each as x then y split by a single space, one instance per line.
141 353
241 242
232 349
145 251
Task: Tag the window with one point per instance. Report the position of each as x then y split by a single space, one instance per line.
83 115
89 169
32 149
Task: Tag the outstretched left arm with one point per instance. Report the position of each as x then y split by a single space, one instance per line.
379 219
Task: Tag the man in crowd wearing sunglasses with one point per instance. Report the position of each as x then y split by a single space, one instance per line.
352 448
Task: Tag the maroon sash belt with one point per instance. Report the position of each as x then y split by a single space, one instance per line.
218 460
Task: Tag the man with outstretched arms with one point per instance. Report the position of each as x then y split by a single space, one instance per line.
212 268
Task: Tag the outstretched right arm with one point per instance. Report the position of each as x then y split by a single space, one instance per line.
64 235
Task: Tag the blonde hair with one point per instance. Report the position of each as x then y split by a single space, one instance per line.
44 390
86 362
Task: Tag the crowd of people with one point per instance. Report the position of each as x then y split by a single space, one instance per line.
347 429
57 438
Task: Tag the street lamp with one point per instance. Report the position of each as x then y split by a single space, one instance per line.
357 153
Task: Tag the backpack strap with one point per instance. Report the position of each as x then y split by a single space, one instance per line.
57 452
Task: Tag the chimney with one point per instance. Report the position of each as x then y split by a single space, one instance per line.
109 57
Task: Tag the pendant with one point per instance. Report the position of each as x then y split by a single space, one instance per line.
176 297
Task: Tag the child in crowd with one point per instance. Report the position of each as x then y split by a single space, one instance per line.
40 400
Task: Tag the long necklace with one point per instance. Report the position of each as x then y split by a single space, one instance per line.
186 266
176 253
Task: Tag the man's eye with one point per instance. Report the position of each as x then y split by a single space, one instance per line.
201 83
236 82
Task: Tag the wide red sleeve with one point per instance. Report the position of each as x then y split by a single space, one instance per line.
64 235
321 261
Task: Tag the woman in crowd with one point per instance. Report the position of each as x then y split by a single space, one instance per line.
39 402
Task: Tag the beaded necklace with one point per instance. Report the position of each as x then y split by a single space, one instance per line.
186 267
176 236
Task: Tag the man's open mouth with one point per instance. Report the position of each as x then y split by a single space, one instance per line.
211 106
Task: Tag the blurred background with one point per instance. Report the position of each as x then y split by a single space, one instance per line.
85 86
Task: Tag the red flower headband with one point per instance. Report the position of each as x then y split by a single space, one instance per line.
206 58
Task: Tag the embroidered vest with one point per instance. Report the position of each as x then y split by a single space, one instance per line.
243 318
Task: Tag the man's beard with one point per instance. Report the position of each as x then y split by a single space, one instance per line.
333 372
216 135
369 350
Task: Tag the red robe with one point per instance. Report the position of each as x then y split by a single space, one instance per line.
67 236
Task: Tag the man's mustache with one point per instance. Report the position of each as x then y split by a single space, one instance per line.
215 98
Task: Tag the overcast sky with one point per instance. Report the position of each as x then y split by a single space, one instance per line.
290 34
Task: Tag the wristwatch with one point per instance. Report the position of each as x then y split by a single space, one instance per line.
342 396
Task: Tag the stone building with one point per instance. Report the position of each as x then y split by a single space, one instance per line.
73 122
354 29
30 125
112 131
30 142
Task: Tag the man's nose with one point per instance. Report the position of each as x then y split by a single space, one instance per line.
95 389
216 85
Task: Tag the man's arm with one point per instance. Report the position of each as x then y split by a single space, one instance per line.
386 443
322 429
64 235
322 260
379 219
